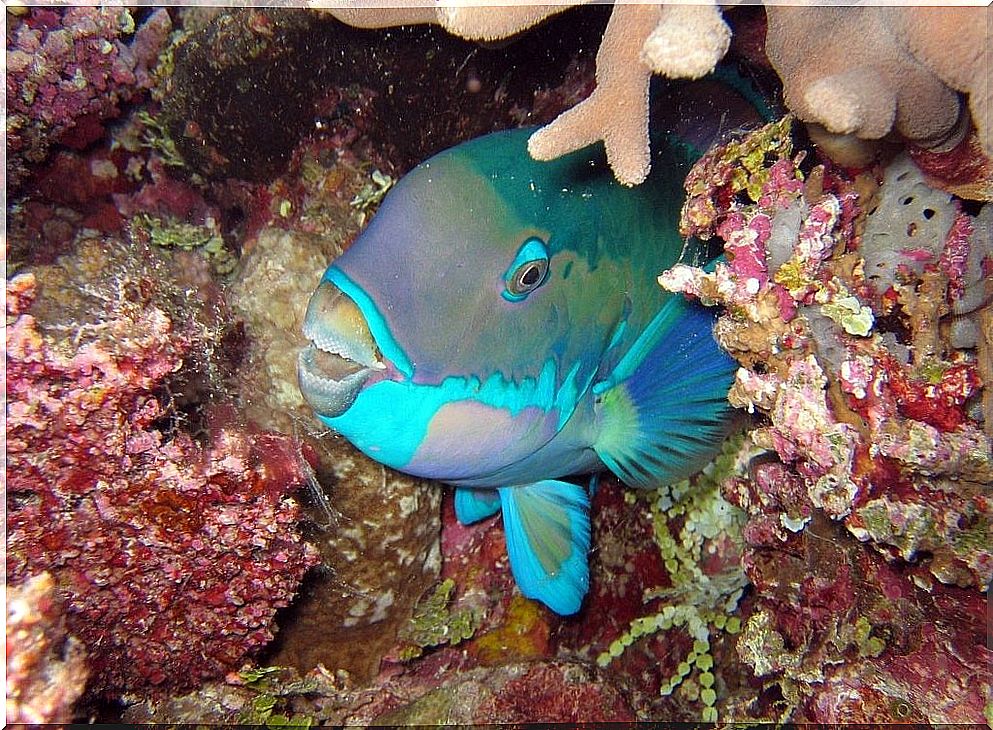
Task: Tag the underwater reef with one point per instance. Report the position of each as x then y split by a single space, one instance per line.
70 71
187 543
146 532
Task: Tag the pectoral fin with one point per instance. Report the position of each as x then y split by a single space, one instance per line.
664 410
547 525
473 505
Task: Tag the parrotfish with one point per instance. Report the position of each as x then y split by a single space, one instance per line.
498 326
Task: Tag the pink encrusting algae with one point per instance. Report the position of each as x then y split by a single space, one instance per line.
170 557
69 71
867 495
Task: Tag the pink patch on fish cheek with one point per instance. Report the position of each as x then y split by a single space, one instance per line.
467 438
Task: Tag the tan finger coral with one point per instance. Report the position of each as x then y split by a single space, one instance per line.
679 41
617 110
472 21
481 22
378 14
867 70
955 43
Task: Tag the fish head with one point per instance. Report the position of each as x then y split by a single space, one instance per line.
455 337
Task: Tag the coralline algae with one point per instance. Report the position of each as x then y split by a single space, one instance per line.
70 70
170 556
870 424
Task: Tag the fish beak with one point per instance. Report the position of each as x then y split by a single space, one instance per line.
342 354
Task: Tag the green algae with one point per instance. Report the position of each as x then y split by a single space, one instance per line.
434 623
172 234
269 708
850 314
699 603
156 137
752 154
868 645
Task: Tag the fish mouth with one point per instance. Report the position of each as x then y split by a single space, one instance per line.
342 354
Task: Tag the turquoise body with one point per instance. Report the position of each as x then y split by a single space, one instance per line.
521 337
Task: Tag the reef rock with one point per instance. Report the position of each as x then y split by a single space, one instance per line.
167 526
243 89
377 530
46 668
68 70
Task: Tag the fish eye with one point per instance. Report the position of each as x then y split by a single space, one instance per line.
527 278
528 270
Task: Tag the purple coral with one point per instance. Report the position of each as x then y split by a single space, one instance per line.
171 557
68 70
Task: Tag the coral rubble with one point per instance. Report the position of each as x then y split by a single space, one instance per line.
803 305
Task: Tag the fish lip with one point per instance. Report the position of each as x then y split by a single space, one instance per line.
342 354
334 324
329 396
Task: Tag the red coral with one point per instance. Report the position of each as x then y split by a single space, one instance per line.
556 693
745 245
171 557
883 390
782 187
954 259
938 403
